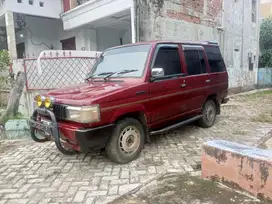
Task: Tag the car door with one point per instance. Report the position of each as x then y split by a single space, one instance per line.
164 91
197 81
218 73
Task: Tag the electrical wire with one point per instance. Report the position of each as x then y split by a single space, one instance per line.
31 35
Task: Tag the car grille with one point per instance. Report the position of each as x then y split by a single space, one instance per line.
59 111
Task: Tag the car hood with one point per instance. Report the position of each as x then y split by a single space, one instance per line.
85 93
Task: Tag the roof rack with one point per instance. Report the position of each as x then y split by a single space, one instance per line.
210 42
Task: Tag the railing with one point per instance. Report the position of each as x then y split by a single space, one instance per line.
56 71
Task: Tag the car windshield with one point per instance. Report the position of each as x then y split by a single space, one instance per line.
121 62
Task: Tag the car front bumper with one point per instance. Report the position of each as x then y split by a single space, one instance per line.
78 138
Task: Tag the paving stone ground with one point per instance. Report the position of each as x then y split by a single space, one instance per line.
38 173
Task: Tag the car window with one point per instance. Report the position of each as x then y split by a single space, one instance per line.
202 61
168 58
120 59
195 61
215 59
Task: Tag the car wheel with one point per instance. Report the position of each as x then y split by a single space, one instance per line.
38 136
208 114
126 142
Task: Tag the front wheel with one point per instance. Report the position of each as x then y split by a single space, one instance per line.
126 142
208 114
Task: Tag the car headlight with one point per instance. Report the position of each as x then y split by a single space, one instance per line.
84 114
40 101
49 101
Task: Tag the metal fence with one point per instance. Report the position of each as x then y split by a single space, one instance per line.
56 72
264 77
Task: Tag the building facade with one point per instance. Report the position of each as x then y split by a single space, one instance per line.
99 24
266 9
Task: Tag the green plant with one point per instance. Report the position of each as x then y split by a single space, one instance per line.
4 63
266 43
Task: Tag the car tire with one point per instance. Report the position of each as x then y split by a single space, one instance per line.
126 141
36 138
208 114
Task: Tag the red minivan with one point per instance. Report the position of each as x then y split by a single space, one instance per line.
133 92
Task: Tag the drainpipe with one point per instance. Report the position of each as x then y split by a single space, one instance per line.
242 46
132 16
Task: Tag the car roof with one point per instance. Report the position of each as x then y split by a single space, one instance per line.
209 43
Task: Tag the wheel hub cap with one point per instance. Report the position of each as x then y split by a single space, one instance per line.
210 114
129 140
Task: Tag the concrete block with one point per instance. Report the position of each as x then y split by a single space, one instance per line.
16 129
239 166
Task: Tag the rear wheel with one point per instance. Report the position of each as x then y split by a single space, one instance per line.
126 142
208 114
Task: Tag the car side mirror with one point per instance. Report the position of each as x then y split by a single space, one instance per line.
157 72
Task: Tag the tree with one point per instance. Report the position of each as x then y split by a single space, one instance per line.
16 90
266 43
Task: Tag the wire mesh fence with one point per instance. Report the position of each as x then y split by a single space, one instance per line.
56 72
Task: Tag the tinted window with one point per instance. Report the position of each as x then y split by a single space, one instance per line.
194 62
215 59
168 59
202 61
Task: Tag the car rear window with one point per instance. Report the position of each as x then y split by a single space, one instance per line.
215 59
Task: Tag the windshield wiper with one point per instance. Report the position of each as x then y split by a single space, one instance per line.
121 72
100 74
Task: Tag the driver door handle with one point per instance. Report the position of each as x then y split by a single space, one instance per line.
208 81
182 85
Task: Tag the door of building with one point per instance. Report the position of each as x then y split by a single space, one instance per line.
69 44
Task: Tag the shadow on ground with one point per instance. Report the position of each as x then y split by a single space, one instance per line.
185 189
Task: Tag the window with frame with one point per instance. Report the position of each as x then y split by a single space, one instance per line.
215 59
168 58
254 11
195 61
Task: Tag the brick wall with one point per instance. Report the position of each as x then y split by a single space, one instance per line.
197 20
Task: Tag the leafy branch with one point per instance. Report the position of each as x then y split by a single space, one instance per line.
266 43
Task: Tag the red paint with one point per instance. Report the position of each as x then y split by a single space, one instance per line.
183 16
164 101
245 167
66 5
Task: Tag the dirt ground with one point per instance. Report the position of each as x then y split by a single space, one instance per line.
185 189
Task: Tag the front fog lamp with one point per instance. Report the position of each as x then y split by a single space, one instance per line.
40 101
84 114
49 101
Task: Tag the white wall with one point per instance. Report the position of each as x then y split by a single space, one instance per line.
50 31
39 31
109 37
3 8
93 11
51 8
241 38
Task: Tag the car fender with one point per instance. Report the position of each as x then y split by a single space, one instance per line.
122 111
